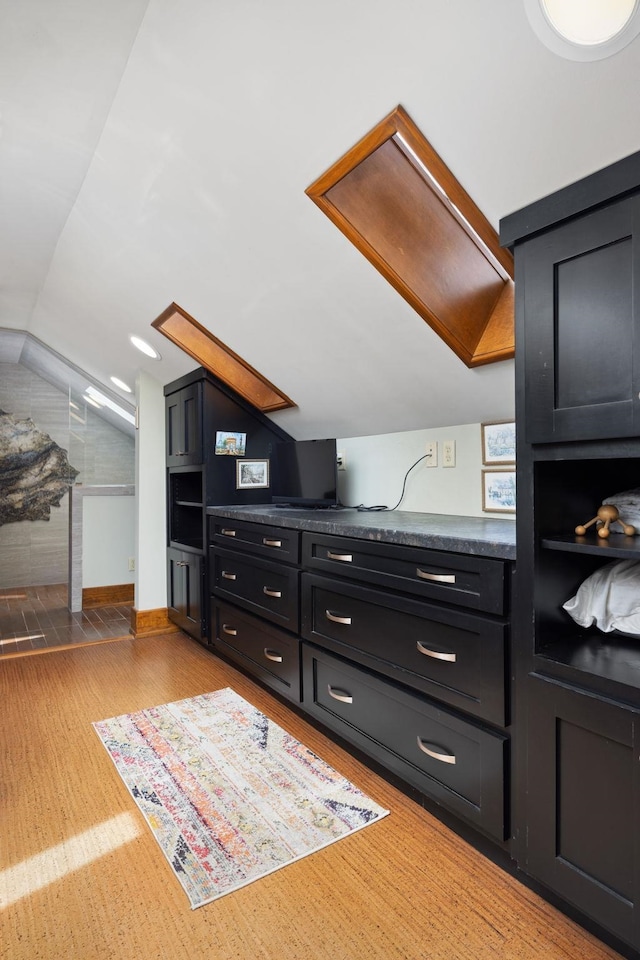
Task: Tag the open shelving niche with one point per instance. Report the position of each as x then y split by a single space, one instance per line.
568 492
187 509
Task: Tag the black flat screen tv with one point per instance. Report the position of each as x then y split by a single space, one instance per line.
305 473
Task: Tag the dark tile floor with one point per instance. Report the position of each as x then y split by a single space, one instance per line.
37 618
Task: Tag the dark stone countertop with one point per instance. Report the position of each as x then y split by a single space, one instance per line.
472 535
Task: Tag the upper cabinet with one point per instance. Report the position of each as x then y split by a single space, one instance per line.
183 424
581 285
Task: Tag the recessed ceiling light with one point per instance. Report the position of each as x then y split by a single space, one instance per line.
120 383
588 21
585 29
145 347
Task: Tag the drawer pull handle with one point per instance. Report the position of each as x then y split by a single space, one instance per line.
450 657
436 753
336 619
272 593
229 576
182 563
271 543
272 655
344 557
227 533
438 577
230 630
339 694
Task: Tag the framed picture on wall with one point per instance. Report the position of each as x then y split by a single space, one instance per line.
252 474
499 491
230 443
498 443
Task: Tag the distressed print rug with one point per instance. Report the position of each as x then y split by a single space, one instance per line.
228 794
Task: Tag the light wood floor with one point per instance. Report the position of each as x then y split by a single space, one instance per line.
405 887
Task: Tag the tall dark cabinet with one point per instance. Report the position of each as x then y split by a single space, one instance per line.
577 758
199 405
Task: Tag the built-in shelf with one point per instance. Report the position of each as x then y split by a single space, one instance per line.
612 657
189 503
616 546
191 545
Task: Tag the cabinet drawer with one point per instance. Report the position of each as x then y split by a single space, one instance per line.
264 651
468 581
450 760
266 588
456 657
258 538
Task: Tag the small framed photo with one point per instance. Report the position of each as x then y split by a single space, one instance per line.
230 443
252 474
498 443
499 491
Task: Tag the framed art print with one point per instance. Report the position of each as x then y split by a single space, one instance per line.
499 491
498 443
252 474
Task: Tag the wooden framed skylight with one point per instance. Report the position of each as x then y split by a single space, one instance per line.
399 204
214 355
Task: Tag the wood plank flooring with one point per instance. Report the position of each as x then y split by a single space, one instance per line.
98 887
38 618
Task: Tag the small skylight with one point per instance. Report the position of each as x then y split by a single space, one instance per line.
99 399
120 383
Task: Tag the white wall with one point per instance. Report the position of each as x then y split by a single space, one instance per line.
108 538
151 541
376 467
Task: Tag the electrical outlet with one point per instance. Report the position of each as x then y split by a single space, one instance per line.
341 461
448 453
432 453
132 564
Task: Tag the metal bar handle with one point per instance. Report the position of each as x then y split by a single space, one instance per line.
438 577
433 750
182 563
272 655
272 593
230 630
343 557
271 543
338 694
229 576
336 619
227 533
450 657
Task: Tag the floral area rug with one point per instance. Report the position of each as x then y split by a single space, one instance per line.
229 795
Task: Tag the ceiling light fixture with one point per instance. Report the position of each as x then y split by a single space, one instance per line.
120 383
145 347
585 29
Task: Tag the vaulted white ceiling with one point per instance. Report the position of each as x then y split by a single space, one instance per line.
158 150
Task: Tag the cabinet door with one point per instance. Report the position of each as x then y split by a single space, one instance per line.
582 330
584 803
185 591
183 423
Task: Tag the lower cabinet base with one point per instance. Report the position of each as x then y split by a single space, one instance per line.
263 650
457 763
584 796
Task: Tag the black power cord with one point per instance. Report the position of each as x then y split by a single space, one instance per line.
364 509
